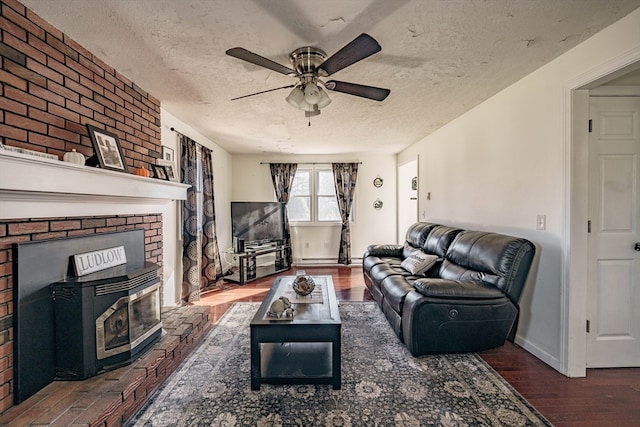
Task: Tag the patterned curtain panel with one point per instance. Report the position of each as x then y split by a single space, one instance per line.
344 176
282 175
201 264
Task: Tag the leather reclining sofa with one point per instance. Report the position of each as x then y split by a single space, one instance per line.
466 301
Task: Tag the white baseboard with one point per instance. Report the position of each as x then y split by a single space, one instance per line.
325 262
541 354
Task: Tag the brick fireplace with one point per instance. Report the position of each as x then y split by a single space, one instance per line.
50 89
25 230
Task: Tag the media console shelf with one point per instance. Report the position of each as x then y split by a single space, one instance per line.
248 268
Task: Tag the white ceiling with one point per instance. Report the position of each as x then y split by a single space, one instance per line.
439 59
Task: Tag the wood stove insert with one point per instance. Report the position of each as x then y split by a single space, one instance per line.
38 265
105 320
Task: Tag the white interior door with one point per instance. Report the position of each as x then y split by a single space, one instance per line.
407 197
614 264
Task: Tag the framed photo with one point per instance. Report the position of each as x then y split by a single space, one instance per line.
168 154
107 148
170 168
160 172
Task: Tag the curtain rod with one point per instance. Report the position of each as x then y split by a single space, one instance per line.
186 136
180 133
308 163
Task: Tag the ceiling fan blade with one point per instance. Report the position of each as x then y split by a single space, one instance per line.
264 91
358 49
254 58
371 92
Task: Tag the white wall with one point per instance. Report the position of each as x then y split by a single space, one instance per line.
502 163
172 239
252 182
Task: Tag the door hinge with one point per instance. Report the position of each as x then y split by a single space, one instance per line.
588 327
589 226
590 125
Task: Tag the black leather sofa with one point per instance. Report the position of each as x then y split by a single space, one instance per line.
467 301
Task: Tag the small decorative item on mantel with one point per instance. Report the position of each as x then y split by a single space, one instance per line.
73 157
303 284
142 171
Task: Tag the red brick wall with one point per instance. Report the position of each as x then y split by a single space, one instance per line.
24 230
51 88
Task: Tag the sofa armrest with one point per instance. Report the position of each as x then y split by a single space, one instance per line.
387 250
456 289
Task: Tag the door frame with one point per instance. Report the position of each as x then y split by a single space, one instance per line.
573 316
400 193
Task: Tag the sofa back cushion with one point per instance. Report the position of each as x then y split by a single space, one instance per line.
495 259
415 237
439 240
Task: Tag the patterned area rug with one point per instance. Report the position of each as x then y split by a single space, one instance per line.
382 384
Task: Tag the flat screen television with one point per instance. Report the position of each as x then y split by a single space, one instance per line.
258 222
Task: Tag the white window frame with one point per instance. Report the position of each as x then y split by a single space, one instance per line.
314 197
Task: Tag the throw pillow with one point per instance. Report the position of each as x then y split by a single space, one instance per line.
419 262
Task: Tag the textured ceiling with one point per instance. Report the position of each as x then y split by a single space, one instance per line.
439 59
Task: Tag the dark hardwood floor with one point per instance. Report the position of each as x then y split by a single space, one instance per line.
605 397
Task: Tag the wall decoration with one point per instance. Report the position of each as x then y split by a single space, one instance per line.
377 182
142 171
74 157
168 154
170 168
377 204
107 148
414 183
160 172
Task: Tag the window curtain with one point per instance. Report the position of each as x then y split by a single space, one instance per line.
344 176
282 175
201 264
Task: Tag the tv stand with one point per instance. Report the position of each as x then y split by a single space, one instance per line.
248 270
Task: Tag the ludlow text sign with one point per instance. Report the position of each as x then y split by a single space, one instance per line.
90 262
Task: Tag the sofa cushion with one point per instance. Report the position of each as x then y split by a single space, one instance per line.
419 262
457 289
370 261
439 240
394 290
380 272
495 259
418 232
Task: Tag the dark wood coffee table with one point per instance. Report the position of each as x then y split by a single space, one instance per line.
304 349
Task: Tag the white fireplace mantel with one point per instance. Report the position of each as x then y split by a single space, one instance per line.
34 187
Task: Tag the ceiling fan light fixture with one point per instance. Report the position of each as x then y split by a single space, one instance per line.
311 93
324 98
312 111
296 97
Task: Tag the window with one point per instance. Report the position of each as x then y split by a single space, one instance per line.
313 197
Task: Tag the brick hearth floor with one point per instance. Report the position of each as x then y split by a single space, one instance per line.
112 398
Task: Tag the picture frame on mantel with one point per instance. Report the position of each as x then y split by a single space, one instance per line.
160 172
170 168
107 149
168 154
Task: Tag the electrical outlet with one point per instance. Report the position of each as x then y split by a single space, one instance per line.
306 245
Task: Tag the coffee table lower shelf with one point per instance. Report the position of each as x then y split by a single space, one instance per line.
296 363
315 362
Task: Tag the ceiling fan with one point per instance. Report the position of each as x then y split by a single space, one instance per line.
309 65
